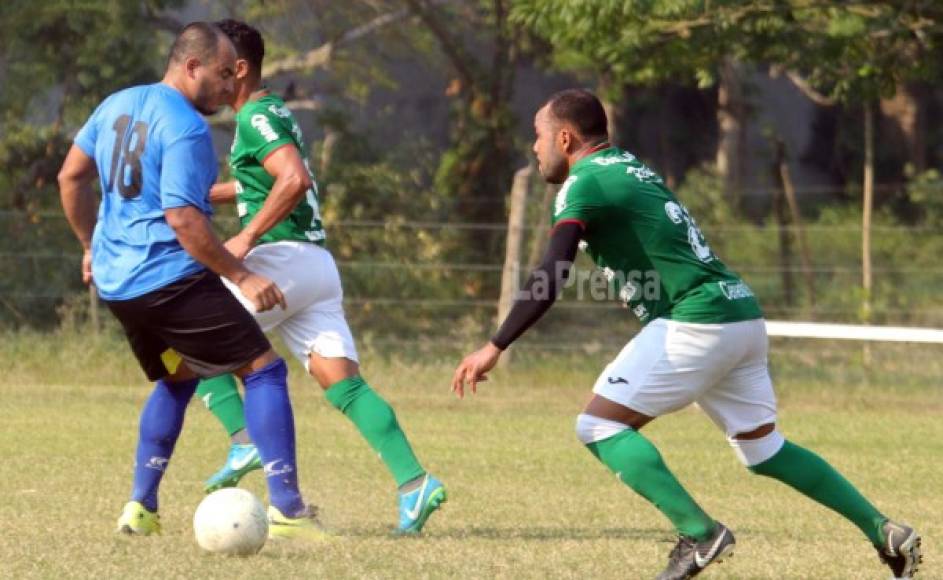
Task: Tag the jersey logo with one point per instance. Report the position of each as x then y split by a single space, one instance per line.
624 157
260 122
678 214
282 112
560 203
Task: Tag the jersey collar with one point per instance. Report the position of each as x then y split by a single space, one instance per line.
599 151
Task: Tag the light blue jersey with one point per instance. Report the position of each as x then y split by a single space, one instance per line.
153 152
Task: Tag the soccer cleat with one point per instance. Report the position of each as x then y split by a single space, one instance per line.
416 506
689 557
241 460
136 520
901 551
304 527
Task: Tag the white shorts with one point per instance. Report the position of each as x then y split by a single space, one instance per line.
313 320
721 367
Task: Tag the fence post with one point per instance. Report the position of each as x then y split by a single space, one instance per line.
510 274
93 308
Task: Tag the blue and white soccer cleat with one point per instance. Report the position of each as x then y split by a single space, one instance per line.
241 460
416 506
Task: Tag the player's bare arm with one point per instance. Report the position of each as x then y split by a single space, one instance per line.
197 238
538 295
223 193
80 202
292 180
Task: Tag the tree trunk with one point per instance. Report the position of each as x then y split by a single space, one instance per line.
796 218
540 237
782 225
730 117
906 111
867 205
664 130
511 273
606 91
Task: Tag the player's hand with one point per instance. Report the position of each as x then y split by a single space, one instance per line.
239 245
87 267
473 368
263 293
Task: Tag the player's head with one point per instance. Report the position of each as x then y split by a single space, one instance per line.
250 49
203 62
568 123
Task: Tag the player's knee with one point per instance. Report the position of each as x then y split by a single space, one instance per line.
752 452
590 429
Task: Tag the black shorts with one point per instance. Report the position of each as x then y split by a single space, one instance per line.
195 317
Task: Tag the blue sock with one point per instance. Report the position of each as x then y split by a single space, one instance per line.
271 427
161 422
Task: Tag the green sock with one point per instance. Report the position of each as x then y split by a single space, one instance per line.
638 464
221 396
377 423
813 476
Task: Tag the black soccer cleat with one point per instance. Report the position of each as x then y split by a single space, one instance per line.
689 557
901 551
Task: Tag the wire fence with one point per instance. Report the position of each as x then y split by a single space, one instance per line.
399 291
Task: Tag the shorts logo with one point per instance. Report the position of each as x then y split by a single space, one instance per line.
617 380
260 122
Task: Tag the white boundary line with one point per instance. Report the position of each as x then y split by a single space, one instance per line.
853 332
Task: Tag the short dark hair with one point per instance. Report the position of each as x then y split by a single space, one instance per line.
197 39
582 109
247 40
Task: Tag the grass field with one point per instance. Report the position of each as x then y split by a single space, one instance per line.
526 500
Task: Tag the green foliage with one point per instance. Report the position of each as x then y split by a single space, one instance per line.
853 51
75 52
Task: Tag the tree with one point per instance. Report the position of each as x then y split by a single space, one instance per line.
64 57
853 54
649 44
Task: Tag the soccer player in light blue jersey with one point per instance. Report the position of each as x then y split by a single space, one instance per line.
156 263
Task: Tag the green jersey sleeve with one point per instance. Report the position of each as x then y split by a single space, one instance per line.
579 199
265 132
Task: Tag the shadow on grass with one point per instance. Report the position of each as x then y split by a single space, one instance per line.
520 533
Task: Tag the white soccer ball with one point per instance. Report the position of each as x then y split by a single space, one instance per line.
231 521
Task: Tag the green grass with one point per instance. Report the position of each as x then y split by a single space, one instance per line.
525 499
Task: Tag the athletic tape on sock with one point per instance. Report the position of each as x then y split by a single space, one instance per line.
755 451
590 429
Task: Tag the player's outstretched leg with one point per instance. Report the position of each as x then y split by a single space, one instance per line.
161 422
221 396
271 425
773 456
420 493
638 464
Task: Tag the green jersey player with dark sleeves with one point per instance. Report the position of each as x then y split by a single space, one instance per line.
703 340
282 236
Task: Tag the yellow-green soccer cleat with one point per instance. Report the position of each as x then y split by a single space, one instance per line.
305 527
136 520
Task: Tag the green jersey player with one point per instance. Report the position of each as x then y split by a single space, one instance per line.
703 339
277 202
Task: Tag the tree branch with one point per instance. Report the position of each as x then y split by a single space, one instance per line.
804 86
321 56
450 46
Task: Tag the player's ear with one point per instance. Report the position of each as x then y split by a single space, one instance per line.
565 140
242 69
190 65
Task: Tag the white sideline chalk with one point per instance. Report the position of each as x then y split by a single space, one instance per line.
853 332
